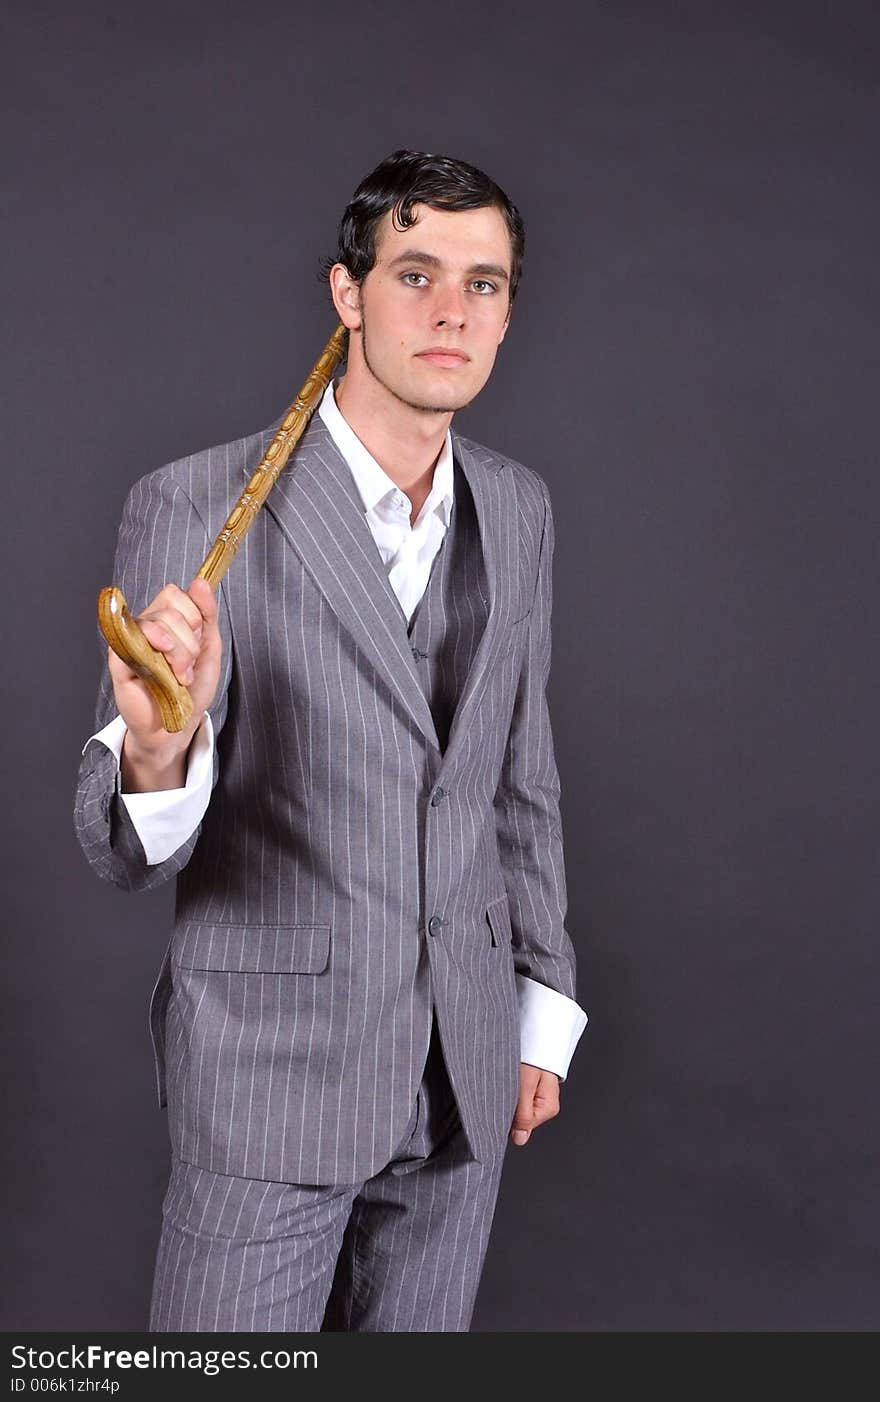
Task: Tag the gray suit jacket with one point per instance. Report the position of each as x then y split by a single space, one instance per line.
349 873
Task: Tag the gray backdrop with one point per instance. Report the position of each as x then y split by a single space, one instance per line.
695 336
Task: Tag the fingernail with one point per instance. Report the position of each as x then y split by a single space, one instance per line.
519 1136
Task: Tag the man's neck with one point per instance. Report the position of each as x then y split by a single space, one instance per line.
405 442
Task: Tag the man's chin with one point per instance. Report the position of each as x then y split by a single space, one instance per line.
444 400
431 403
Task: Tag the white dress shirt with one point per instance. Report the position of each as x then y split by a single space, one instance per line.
550 1023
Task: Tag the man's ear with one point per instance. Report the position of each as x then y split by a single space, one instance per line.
505 326
346 294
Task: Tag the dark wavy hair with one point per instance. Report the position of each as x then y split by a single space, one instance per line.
406 178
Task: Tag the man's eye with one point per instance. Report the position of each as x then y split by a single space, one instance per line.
482 282
408 275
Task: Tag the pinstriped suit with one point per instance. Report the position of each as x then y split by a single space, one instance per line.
383 836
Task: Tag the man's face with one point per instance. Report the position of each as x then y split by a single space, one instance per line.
443 283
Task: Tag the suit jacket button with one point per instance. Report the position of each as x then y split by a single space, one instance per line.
435 925
437 797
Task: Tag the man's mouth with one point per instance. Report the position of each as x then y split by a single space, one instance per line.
440 355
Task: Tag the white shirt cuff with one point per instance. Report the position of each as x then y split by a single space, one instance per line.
549 1026
165 819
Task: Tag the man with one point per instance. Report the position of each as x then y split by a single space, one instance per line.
369 985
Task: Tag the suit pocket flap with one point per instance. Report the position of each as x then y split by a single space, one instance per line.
498 915
253 949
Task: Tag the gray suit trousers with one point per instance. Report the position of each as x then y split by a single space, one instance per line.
400 1252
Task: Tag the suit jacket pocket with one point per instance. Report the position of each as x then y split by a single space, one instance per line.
253 949
498 916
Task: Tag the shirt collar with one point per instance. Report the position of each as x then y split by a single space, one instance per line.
372 481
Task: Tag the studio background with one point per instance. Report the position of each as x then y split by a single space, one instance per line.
691 366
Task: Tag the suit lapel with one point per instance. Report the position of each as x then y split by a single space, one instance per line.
318 507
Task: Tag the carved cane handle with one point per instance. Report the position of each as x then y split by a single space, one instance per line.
127 640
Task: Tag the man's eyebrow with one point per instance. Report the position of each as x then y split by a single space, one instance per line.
432 261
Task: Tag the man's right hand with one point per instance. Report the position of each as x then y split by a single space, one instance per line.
183 626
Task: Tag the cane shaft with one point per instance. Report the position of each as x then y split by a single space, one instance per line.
271 464
114 617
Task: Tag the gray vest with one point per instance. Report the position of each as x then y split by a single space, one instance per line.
450 617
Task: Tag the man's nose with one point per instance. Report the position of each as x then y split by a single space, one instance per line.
449 309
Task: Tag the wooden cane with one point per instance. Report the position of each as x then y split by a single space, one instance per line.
114 618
